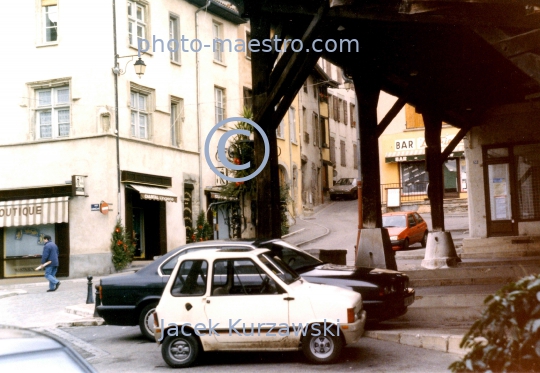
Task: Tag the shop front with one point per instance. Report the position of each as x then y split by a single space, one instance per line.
146 198
503 155
24 223
413 178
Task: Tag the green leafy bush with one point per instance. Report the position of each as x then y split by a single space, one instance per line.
506 338
203 230
122 247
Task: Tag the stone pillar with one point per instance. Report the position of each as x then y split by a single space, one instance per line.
374 247
433 127
440 250
268 210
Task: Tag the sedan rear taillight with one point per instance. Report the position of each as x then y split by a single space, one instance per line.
350 315
100 292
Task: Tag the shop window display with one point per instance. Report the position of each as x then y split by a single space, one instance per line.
23 247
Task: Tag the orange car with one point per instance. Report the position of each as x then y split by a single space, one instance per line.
405 228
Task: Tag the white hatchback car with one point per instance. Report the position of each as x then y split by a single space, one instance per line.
245 299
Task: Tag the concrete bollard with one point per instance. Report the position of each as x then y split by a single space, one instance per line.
89 296
330 256
440 251
375 249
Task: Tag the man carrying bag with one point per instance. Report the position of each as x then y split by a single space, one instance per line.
50 253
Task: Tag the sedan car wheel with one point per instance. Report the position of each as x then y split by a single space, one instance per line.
321 348
146 321
180 351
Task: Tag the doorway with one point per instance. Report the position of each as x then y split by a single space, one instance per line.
498 192
146 220
450 177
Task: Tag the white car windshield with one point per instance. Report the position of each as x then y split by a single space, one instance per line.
279 268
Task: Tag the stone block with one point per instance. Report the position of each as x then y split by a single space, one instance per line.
375 249
382 335
453 345
329 256
435 342
409 339
440 251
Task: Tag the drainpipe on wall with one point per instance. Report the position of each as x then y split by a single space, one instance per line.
321 141
291 165
119 201
199 146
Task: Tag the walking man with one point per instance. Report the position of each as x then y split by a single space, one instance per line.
50 253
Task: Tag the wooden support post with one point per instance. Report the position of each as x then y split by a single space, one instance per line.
268 224
367 89
433 127
389 117
459 136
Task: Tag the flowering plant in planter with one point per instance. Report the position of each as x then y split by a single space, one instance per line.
122 247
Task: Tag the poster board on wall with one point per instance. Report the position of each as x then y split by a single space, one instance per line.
393 197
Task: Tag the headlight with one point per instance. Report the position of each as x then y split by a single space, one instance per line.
331 189
393 238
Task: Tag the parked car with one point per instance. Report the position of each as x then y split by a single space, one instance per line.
24 350
405 228
131 298
247 299
345 187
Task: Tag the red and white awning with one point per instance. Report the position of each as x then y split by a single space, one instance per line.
34 212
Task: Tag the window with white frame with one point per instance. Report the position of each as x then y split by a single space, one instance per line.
292 124
137 23
139 115
177 118
219 98
52 112
280 131
49 11
217 30
173 43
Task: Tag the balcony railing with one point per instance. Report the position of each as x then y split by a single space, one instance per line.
408 192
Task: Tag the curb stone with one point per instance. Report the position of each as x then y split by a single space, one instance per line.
10 293
97 321
439 342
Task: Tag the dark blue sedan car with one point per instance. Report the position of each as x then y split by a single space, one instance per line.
130 298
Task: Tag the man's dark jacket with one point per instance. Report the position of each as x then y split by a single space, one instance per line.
50 252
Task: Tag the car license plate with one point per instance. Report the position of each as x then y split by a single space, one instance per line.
409 300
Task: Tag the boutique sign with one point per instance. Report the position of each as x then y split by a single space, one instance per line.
19 211
33 212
